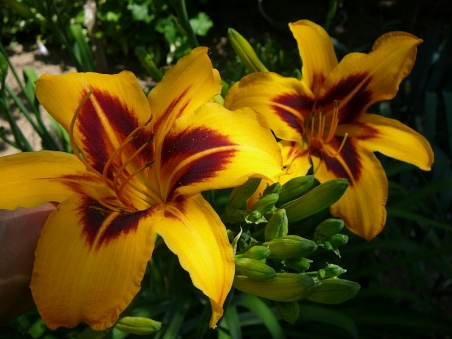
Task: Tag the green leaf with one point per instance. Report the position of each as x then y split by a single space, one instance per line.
201 24
140 12
260 309
314 313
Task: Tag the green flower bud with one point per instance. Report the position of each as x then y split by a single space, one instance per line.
138 325
300 265
257 253
328 246
334 291
277 226
285 287
262 206
328 228
254 269
338 240
275 188
290 247
316 200
294 188
289 311
245 52
333 271
240 195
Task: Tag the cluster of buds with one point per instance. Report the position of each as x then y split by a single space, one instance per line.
273 264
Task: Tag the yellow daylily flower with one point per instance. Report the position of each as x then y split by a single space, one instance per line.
321 118
139 170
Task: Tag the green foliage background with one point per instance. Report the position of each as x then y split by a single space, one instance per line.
405 273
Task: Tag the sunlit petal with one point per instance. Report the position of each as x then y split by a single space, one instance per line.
115 108
284 102
215 148
191 83
316 51
363 79
29 179
362 207
296 158
392 138
194 232
90 262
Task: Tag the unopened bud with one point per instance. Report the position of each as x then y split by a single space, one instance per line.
299 265
254 269
257 253
245 52
290 247
316 200
285 287
262 206
338 240
240 195
138 325
333 271
294 188
334 291
274 188
328 228
277 226
289 311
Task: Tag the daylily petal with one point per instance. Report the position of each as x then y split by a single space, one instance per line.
194 232
285 102
90 262
316 51
297 163
362 207
30 179
363 79
191 83
295 158
115 109
214 148
392 138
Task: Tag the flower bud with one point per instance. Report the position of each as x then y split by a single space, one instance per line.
245 52
334 291
277 226
299 265
333 271
328 228
289 311
240 195
294 188
316 200
262 206
285 287
257 253
253 269
275 188
290 247
338 240
138 325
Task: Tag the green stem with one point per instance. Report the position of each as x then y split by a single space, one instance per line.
181 11
21 142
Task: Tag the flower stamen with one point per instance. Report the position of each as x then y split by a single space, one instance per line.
334 122
121 188
334 155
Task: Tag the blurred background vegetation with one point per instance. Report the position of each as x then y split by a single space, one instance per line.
405 273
